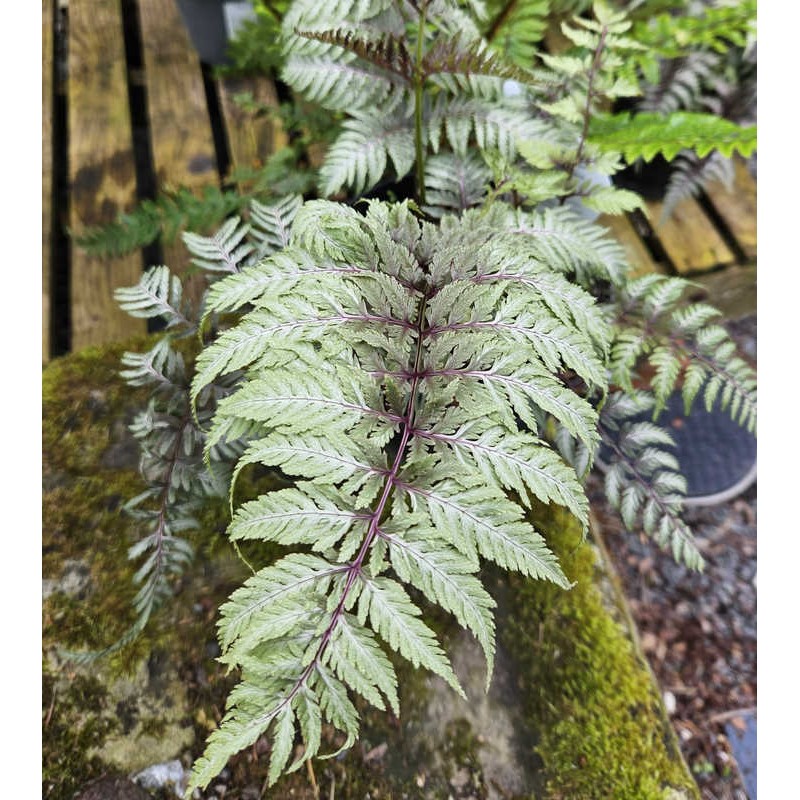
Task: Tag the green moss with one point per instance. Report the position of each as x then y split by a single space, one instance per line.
77 391
602 730
72 726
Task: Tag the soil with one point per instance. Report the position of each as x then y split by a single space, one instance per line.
698 630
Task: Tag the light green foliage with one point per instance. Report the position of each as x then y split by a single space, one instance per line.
516 27
422 373
256 47
700 59
647 135
707 26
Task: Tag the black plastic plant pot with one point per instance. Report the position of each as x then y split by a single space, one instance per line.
716 456
211 25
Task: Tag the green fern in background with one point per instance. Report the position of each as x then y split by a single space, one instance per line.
174 212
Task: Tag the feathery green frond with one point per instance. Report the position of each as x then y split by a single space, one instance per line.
646 135
515 28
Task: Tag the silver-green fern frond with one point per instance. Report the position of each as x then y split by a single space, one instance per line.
418 356
454 184
643 481
685 347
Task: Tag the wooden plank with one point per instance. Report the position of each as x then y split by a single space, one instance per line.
639 258
252 137
688 236
102 174
181 136
47 168
738 207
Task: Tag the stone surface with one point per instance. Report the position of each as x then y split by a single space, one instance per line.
494 717
153 713
113 789
157 700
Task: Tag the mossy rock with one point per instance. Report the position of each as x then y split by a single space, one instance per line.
572 712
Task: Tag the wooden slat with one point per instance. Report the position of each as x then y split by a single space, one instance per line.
102 172
639 258
689 237
47 167
182 141
738 207
252 138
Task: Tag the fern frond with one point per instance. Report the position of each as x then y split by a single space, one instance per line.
495 126
310 15
160 367
459 58
515 28
642 479
566 243
681 83
341 84
370 428
646 135
182 209
386 52
225 251
359 157
690 175
515 461
270 224
158 294
454 184
717 28
480 520
445 577
681 343
397 621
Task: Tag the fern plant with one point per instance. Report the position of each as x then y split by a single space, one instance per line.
181 471
414 381
703 60
420 371
387 366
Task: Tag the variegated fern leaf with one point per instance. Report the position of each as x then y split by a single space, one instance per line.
440 83
643 480
690 174
389 364
683 347
181 470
